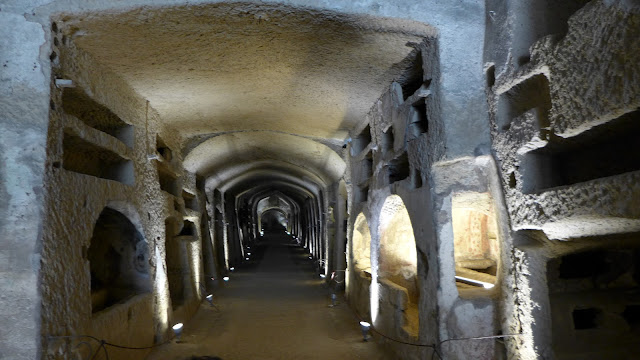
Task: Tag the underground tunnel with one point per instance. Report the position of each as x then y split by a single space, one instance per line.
286 179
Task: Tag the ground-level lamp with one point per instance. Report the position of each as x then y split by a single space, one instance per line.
225 278
365 326
177 330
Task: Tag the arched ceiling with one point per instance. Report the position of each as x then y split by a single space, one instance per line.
266 82
241 148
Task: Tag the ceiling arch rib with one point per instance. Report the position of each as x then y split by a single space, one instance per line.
237 152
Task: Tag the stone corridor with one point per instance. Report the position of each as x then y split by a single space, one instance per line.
274 307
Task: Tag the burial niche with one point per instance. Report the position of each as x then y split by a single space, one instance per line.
362 244
118 258
475 240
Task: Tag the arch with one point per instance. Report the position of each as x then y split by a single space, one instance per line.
397 269
118 260
274 220
361 244
398 259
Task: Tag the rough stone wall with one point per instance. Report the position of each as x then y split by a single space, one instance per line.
564 126
388 155
76 194
24 104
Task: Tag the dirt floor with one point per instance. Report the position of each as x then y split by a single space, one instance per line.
275 307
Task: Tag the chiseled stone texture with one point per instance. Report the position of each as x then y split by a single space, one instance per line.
593 78
23 125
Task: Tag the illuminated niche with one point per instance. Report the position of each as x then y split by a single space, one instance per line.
475 240
361 244
118 261
398 262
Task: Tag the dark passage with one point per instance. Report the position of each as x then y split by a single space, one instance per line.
275 307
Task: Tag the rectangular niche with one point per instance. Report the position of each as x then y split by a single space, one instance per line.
475 240
418 121
387 139
531 94
398 169
77 103
594 304
361 141
168 181
606 150
190 200
362 194
412 79
163 150
83 157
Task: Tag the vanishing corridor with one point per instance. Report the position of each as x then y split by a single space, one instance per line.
276 307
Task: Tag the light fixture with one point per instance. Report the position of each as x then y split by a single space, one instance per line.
177 330
322 276
485 285
210 299
232 268
226 278
365 326
310 257
246 258
249 253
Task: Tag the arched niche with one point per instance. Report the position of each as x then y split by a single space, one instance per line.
118 261
398 293
361 245
398 260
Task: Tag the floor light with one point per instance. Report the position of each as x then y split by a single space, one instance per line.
226 278
177 330
365 326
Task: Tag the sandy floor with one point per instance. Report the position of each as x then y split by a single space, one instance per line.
274 308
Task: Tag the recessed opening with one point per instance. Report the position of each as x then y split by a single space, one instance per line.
163 149
584 319
362 193
168 181
190 200
418 124
361 141
475 238
605 150
77 103
118 261
583 265
512 180
188 229
491 76
398 169
361 245
387 139
531 95
83 157
398 259
416 178
412 79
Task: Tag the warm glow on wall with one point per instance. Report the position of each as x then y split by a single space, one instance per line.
475 240
398 259
162 289
361 244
